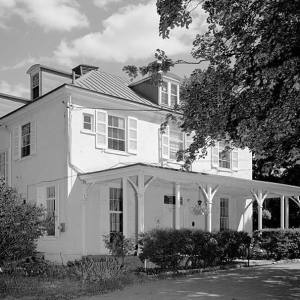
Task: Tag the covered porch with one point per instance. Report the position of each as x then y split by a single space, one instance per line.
195 196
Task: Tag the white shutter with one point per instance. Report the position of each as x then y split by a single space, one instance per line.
132 135
215 156
101 129
32 137
165 144
16 142
234 159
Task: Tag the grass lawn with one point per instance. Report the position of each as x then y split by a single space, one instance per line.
43 288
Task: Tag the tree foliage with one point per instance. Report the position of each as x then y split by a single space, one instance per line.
20 225
249 94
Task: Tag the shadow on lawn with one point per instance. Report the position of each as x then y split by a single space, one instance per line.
253 283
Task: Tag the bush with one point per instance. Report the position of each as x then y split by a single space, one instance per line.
20 225
91 270
232 244
165 247
279 244
118 244
168 248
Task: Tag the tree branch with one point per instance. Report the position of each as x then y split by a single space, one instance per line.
181 61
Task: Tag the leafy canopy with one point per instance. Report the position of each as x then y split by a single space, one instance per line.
249 93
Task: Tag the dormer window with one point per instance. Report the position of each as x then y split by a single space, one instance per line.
164 93
35 85
174 94
169 94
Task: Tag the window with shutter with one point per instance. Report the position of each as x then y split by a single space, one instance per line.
132 135
165 145
176 137
101 129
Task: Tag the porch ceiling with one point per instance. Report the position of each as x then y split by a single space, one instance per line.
231 184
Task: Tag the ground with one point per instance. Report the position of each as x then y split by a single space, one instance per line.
278 281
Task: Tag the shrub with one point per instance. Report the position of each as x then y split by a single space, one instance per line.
118 244
168 248
20 225
279 244
232 244
165 247
90 270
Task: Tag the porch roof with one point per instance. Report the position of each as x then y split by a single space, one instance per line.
241 185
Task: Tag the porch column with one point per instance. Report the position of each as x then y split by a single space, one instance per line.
287 208
177 206
282 212
125 205
259 196
141 202
209 194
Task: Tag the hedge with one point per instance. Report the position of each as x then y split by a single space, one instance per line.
278 244
170 248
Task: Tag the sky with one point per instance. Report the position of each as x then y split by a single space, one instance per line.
105 33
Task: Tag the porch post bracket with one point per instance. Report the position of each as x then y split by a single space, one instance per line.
148 182
209 193
259 196
296 200
133 185
87 188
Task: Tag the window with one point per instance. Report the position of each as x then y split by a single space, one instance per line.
172 141
176 141
88 122
224 214
164 93
3 166
174 94
116 133
50 210
35 86
48 199
224 156
169 94
116 210
172 200
25 140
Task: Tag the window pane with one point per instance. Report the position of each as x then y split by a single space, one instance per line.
164 87
174 89
164 98
116 133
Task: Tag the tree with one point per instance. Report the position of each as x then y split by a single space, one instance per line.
20 225
249 94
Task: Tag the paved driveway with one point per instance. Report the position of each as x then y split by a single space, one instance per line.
279 281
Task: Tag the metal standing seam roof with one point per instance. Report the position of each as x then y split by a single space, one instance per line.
112 85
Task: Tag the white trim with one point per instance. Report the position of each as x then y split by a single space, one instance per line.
131 139
104 133
93 122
